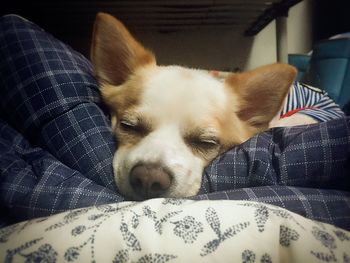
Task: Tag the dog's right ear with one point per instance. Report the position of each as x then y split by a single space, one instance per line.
115 53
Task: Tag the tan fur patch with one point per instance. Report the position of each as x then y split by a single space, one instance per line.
122 97
233 131
203 139
261 92
127 139
122 101
115 53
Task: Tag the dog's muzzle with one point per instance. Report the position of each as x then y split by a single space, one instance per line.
150 180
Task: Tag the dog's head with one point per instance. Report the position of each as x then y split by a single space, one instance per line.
171 121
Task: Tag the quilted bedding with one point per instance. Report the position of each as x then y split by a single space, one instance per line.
56 150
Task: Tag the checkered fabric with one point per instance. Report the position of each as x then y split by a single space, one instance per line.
297 168
49 94
34 183
56 147
317 155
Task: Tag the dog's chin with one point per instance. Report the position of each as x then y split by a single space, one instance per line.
175 191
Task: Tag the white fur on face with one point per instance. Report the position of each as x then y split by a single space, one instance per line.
174 94
177 102
164 146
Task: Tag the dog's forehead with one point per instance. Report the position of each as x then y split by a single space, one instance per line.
182 91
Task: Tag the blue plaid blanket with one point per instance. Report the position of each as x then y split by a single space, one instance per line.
56 145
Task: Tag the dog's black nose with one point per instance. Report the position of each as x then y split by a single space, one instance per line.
149 180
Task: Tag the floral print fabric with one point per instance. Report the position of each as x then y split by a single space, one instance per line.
167 230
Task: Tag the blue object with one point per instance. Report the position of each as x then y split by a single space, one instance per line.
49 94
327 68
301 62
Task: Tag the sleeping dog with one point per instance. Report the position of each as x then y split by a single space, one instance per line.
171 121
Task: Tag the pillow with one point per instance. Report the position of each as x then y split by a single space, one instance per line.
169 230
49 94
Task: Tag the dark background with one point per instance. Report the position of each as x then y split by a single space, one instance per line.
331 17
72 21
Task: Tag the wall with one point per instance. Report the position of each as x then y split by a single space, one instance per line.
209 49
222 49
227 49
300 27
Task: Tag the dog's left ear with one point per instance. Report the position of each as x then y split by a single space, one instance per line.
261 92
115 53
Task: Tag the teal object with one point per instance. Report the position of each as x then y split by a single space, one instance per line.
327 68
301 62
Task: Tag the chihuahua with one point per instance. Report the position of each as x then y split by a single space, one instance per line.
170 121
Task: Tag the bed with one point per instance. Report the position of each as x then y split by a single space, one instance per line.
284 195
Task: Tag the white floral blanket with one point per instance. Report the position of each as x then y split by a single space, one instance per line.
173 230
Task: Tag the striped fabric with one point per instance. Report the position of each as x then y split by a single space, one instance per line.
310 101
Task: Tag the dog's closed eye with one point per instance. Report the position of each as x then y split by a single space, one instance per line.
204 144
134 125
128 125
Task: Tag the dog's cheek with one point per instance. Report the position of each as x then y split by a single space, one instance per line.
114 122
127 139
120 169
